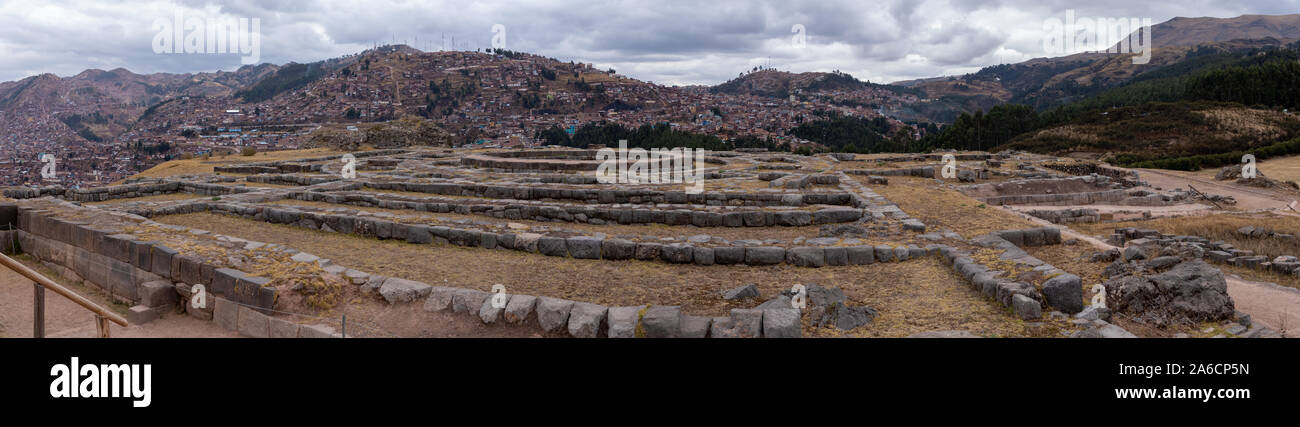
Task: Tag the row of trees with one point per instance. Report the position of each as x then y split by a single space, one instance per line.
1257 77
838 132
1275 83
292 76
658 135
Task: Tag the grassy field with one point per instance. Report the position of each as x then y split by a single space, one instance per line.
940 207
158 198
916 296
205 166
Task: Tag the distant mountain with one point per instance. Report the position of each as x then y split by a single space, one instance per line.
99 105
1050 82
1195 31
781 84
394 81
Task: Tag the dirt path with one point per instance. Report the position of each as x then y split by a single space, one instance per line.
1248 199
1276 307
66 319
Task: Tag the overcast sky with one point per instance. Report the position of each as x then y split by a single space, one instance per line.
665 41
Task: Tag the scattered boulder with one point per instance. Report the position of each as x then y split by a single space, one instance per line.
1026 308
1118 269
1163 262
842 316
1094 312
744 292
1109 255
779 302
1106 330
1189 293
1233 172
1065 292
819 296
1132 253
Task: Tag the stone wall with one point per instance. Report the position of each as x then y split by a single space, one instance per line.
1037 285
9 242
121 262
729 217
298 165
1067 216
99 194
923 172
523 192
1150 241
32 193
814 253
289 179
1123 176
153 277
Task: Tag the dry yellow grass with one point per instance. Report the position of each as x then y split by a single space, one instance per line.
1280 168
940 207
1233 123
1072 132
916 296
202 166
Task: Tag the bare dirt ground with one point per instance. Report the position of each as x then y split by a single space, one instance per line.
1248 198
66 319
1271 305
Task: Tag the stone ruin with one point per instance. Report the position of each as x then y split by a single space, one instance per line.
119 247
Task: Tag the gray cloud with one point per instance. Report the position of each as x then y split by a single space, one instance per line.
666 41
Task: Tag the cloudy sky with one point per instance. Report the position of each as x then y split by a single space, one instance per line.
665 41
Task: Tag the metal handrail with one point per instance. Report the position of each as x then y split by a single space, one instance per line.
101 313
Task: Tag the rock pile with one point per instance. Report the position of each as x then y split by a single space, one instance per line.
1188 293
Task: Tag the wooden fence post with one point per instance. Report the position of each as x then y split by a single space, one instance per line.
38 311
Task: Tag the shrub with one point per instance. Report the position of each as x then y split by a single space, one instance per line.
247 151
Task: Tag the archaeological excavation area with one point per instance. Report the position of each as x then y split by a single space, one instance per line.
529 243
